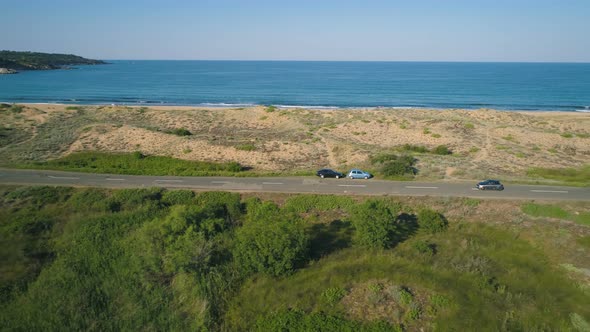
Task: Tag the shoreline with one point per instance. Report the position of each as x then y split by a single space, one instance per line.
166 106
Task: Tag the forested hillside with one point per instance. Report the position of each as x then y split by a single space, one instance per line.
37 61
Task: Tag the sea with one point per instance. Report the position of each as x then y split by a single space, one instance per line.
316 84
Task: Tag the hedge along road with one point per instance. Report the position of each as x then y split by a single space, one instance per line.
308 185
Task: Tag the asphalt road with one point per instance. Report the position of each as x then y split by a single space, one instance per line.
291 185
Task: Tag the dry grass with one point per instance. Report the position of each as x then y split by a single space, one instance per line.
303 139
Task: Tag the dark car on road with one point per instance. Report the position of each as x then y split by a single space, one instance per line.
490 185
329 173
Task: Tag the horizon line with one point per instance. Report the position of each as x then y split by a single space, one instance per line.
293 60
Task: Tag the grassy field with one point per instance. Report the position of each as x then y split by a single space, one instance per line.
151 259
135 164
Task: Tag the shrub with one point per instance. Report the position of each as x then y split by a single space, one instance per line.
397 168
246 147
132 198
138 155
91 199
174 197
393 165
441 150
382 157
414 148
432 221
181 132
270 108
307 202
273 244
137 164
227 205
414 312
333 295
39 196
374 223
424 248
440 301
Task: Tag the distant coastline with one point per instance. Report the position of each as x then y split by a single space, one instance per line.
11 62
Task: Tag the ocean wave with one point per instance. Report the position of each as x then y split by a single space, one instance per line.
225 105
308 106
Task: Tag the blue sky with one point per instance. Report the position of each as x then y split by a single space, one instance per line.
369 30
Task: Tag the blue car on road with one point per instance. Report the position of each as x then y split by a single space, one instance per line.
359 174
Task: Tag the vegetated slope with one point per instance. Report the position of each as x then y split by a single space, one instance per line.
36 60
79 259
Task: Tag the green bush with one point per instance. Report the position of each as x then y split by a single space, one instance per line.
393 165
398 167
441 150
270 243
414 148
333 295
375 224
227 204
135 164
432 221
181 132
439 301
424 248
91 199
382 157
39 196
174 197
246 147
306 203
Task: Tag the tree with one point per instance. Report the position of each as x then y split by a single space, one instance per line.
432 221
272 244
375 224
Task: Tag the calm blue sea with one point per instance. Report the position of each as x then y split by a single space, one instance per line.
510 86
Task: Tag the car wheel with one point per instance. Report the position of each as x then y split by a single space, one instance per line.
351 177
322 176
366 177
338 176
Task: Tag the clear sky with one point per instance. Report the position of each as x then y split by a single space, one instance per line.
385 30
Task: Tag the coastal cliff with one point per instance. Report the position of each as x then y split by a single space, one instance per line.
12 61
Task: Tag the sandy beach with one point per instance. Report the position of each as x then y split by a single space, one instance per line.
485 143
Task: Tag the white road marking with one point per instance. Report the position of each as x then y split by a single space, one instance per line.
114 179
352 185
63 177
272 183
414 187
551 191
168 181
220 182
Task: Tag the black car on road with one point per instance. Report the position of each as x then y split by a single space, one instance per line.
490 185
329 173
